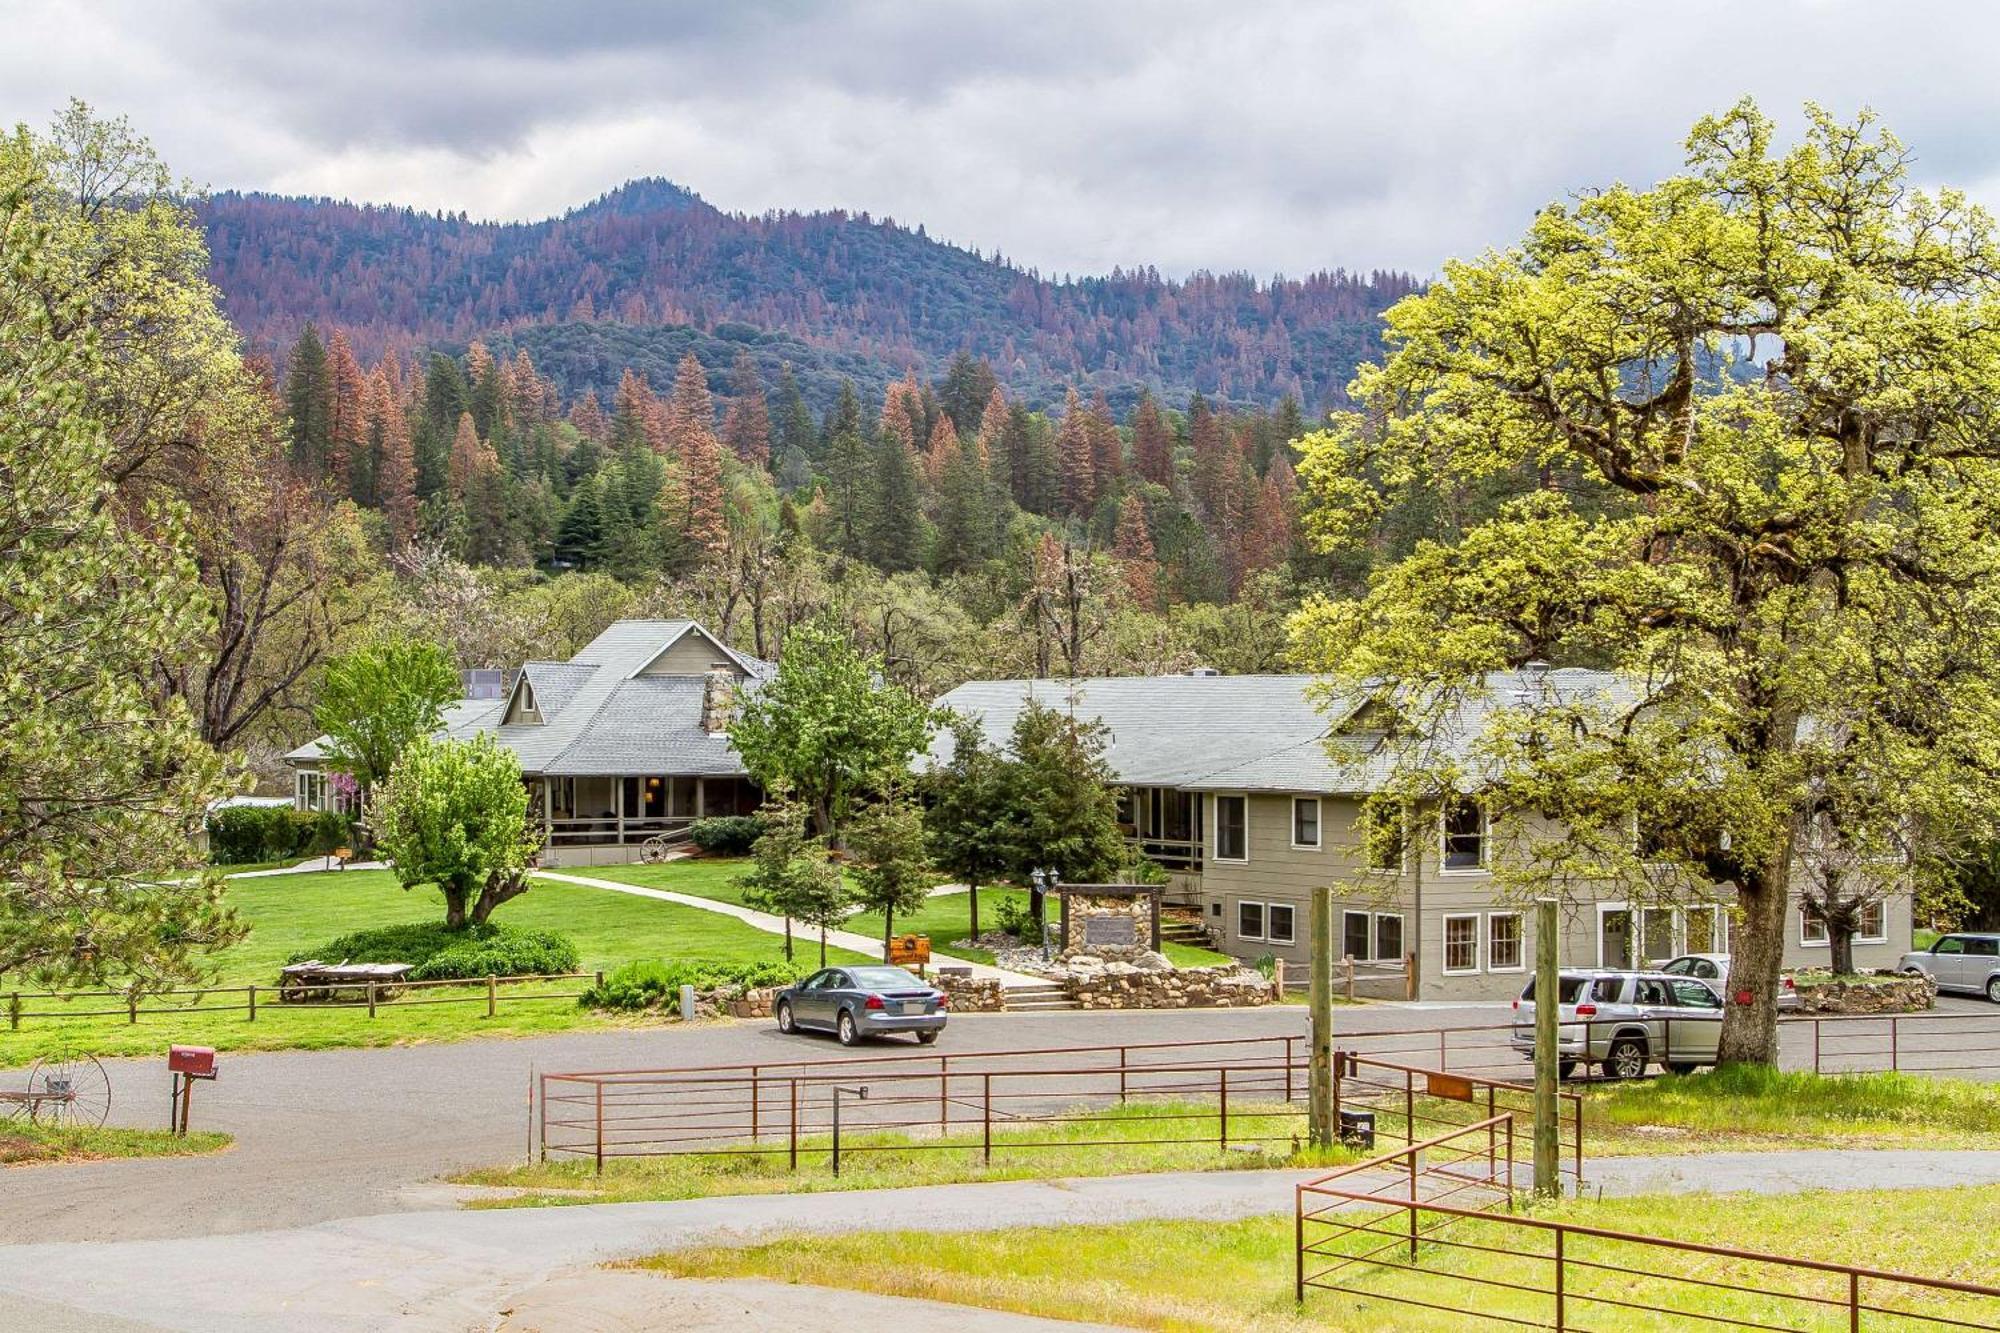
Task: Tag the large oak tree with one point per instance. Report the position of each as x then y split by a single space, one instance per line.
1732 438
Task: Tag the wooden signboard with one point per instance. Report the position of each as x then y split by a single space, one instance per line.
907 949
1449 1086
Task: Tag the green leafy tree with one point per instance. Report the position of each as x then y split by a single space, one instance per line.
827 727
792 875
970 812
892 869
455 814
379 698
1743 416
1065 796
103 781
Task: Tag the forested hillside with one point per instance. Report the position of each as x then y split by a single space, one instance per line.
651 268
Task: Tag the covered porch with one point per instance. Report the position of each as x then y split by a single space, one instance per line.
1163 824
584 817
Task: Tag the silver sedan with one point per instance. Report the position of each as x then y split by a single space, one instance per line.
865 1000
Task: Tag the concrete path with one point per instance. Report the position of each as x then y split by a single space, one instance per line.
845 939
459 1270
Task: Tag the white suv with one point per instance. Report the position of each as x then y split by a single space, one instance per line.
1960 962
1626 1021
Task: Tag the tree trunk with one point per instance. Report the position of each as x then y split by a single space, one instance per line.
499 888
788 939
888 930
822 946
454 906
1750 1031
972 893
1840 935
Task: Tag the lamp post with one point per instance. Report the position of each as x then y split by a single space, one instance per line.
838 1093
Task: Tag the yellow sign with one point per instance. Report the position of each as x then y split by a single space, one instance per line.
910 949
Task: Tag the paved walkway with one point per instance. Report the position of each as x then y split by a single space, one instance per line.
845 939
458 1270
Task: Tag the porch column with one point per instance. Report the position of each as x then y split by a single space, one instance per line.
548 813
618 799
700 796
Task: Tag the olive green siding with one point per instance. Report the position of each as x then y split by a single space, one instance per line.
1425 894
690 655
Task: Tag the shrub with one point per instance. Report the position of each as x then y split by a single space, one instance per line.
643 985
1018 921
246 833
727 835
441 952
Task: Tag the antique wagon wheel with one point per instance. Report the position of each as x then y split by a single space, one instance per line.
69 1091
653 850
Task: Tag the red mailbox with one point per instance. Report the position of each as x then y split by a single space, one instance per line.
191 1061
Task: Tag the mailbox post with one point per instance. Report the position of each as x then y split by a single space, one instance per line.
186 1064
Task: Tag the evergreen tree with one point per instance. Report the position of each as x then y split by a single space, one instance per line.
891 863
588 417
347 445
633 414
843 418
968 386
894 535
1073 456
970 811
746 426
792 875
848 491
309 402
395 463
691 411
1133 545
445 400
793 420
1107 451
701 465
469 458
967 516
580 539
1041 471
1065 796
1152 443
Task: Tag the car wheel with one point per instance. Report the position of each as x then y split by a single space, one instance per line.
1681 1066
785 1023
1566 1070
1626 1059
846 1030
1993 989
927 1038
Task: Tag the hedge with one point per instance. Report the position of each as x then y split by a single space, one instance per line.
441 952
645 984
727 835
242 833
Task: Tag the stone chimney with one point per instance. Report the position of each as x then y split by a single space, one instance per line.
718 698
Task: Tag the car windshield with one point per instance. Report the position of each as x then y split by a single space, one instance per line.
1566 987
883 978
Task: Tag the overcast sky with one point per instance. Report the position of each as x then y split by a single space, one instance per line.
1070 134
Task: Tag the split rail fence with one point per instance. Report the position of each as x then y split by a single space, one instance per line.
254 1000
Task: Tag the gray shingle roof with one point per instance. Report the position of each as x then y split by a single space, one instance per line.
600 717
1246 733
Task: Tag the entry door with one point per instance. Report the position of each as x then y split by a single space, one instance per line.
1614 937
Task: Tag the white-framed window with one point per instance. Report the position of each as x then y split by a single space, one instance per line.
1461 944
1870 927
311 789
1278 923
1249 920
1232 828
1378 831
1706 930
1305 823
1462 837
1504 950
1388 937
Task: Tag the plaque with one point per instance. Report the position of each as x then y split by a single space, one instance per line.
1110 930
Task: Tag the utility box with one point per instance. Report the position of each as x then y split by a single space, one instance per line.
1357 1128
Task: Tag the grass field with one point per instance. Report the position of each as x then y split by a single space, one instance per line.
1106 1142
23 1143
1237 1276
290 913
1746 1108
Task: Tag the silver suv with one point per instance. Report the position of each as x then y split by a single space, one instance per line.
1625 1021
1960 962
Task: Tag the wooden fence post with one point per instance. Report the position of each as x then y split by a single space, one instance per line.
131 1008
253 1003
1347 963
492 994
14 1011
1409 976
371 999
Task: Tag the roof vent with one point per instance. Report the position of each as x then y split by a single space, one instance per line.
1204 671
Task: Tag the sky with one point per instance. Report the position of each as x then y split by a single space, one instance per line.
1070 135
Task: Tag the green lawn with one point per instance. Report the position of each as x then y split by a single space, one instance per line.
22 1142
290 913
1748 1108
698 877
1139 1137
1237 1275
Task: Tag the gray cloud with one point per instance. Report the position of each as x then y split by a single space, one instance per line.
1071 134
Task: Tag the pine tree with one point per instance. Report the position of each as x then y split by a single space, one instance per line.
793 424
843 418
701 466
939 451
847 484
634 413
588 417
1073 454
967 518
691 412
895 507
445 400
1134 549
1214 480
309 402
527 401
347 446
395 463
1107 451
966 391
580 536
487 400
746 426
470 456
992 429
1152 443
1267 536
1031 442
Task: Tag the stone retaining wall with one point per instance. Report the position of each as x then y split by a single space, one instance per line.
972 995
1178 988
1875 993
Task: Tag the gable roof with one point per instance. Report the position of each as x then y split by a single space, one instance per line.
600 716
1246 733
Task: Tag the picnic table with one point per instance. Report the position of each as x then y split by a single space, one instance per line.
314 980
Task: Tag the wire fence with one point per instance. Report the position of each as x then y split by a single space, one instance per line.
1431 1226
250 1001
